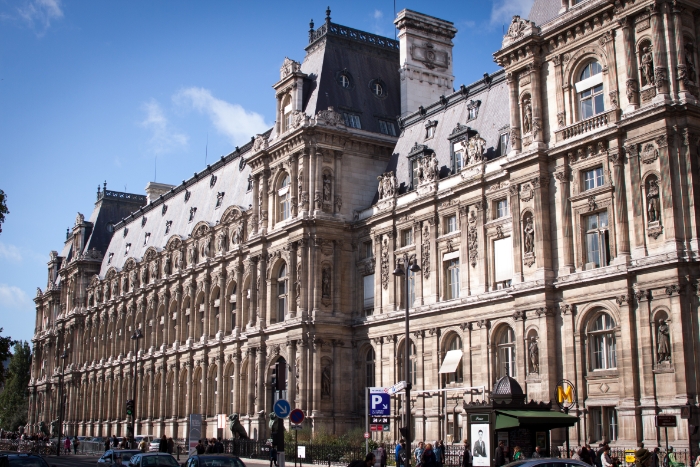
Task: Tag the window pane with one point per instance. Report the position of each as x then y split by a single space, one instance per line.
503 259
591 222
368 290
599 105
603 219
599 176
586 108
612 423
592 248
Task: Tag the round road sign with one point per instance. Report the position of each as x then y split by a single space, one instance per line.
282 408
296 416
366 435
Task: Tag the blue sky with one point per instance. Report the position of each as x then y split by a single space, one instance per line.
108 90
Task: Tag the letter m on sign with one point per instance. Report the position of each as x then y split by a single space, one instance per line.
565 395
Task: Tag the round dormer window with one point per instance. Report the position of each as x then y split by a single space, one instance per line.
344 80
377 87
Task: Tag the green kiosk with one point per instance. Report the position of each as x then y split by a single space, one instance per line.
508 418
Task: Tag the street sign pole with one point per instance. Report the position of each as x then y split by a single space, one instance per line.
366 418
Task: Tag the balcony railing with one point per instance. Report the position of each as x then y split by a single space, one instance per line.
596 122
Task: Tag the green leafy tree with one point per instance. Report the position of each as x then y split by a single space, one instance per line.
5 344
3 208
14 402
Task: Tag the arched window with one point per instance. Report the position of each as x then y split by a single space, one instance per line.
412 369
458 375
282 293
601 340
370 368
284 195
590 90
506 353
286 113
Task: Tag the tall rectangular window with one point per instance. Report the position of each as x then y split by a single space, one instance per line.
593 178
502 208
503 261
596 414
458 163
611 418
367 249
411 288
504 143
414 172
368 291
452 276
451 223
597 239
387 128
407 237
352 120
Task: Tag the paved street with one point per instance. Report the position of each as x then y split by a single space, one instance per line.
72 461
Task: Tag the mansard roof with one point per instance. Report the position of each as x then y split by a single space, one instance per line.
364 57
489 96
543 11
198 196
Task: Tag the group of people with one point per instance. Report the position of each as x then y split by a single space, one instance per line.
210 446
425 455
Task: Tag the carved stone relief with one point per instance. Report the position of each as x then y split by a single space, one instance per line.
528 240
472 239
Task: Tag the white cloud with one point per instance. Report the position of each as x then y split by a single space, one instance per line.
163 138
503 11
10 252
39 14
229 119
378 14
12 297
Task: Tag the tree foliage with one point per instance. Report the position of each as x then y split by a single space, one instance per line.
3 208
6 344
14 398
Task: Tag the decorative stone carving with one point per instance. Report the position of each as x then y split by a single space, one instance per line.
289 66
388 185
384 261
425 252
649 153
475 148
663 343
518 29
260 143
529 240
654 227
661 77
237 234
326 285
326 381
647 67
526 192
472 239
534 355
221 242
329 117
631 88
592 205
527 115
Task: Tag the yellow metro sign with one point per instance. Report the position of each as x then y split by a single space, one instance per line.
566 394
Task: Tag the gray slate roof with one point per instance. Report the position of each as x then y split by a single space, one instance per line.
543 11
492 119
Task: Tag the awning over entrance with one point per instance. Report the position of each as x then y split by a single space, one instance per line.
449 364
530 418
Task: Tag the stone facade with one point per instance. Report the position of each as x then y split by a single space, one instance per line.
551 207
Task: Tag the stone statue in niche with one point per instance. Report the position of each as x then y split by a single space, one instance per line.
125 284
326 381
326 188
204 248
115 288
529 235
237 235
653 201
167 265
154 270
99 295
221 242
297 285
690 63
663 342
647 67
527 116
144 276
534 355
326 282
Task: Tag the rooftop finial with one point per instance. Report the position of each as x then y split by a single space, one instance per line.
105 186
328 15
311 25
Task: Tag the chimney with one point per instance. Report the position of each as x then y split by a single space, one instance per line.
425 57
154 190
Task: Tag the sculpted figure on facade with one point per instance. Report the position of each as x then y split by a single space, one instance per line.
125 283
237 234
653 201
529 235
221 242
326 188
326 282
326 381
663 342
428 169
144 275
647 67
387 185
154 270
475 149
689 64
527 116
167 265
534 354
134 279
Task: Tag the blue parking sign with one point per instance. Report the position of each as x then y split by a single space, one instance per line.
379 404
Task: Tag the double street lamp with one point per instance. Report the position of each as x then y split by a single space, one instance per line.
135 337
411 268
60 402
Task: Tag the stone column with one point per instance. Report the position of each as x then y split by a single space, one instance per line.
477 260
465 272
337 185
304 184
255 219
236 383
616 156
537 124
219 384
314 275
260 401
378 295
239 297
636 203
558 80
681 68
670 190
316 388
293 298
204 400
318 181
176 390
303 373
435 264
514 202
100 412
645 351
543 252
628 364
659 49
253 302
206 330
291 378
224 316
262 291
566 266
163 392
607 41
294 180
632 80
304 279
420 242
193 311
189 368
515 144
336 287
109 415
264 209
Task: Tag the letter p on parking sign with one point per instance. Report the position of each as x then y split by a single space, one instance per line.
379 404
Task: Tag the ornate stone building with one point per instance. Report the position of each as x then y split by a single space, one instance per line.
551 207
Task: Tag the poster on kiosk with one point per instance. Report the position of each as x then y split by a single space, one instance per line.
480 436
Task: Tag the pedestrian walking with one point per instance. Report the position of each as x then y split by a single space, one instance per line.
428 458
467 458
381 451
107 444
76 443
538 453
66 445
273 455
397 450
163 444
517 453
171 446
439 450
500 455
402 455
418 453
369 459
200 448
142 445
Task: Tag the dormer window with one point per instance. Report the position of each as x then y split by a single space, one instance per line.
146 237
377 87
127 248
286 113
344 79
352 120
430 126
387 128
473 109
471 114
219 199
590 90
109 258
193 211
459 157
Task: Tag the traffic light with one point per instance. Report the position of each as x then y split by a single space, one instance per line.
404 433
130 407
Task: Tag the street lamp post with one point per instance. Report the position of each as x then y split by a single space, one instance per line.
135 337
399 271
60 402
